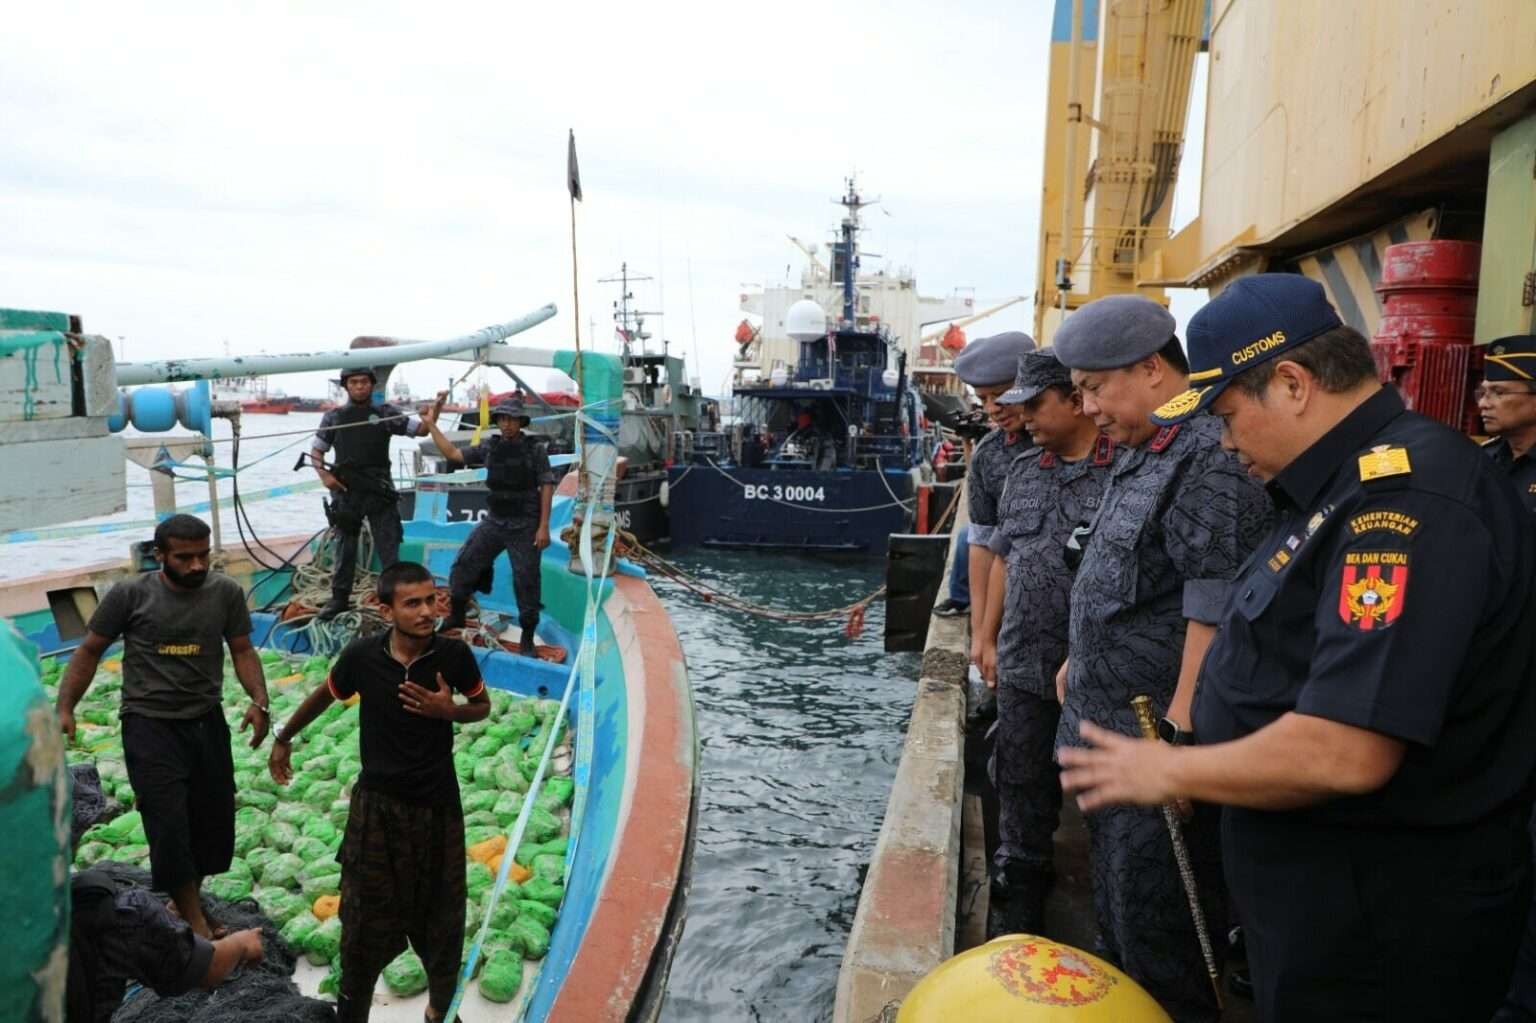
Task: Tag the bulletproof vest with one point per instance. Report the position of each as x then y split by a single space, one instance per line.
88 995
359 447
511 477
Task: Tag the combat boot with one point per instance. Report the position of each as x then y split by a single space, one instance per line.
1017 902
458 609
526 646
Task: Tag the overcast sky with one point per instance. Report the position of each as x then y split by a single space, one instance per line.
282 177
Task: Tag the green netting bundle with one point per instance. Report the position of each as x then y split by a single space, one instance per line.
405 976
540 890
321 884
481 819
484 774
319 827
292 813
502 977
508 806
532 935
544 914
311 851
228 887
509 777
279 835
550 867
255 797
347 769
477 878
559 789
131 854
479 799
297 930
339 813
322 768
281 905
91 853
485 746
324 942
282 871
322 794
504 914
125 830
330 984
259 857
542 825
474 836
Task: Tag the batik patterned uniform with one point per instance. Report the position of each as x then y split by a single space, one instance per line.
985 479
1044 499
1178 518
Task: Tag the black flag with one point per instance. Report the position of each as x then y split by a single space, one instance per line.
573 174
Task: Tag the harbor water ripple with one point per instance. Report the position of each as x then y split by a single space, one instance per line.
800 732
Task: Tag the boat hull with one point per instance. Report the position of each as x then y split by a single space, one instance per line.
637 505
843 512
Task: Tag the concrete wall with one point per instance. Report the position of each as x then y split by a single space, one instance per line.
905 923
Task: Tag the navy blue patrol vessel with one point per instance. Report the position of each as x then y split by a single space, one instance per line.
826 455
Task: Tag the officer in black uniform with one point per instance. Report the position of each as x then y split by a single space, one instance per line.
1177 520
521 487
1365 711
359 479
1050 489
1507 402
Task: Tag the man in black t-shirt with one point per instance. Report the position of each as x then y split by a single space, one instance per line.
175 624
402 860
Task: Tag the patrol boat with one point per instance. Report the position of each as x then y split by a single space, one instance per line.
664 414
826 456
629 704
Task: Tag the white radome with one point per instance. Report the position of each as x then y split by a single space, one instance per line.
805 320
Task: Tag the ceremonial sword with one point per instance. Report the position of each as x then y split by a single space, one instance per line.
1142 705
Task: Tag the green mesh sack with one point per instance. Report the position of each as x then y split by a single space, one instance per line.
228 887
339 813
279 835
509 777
331 983
297 930
550 867
559 845
323 945
251 817
298 788
505 913
510 892
469 944
256 798
496 941
311 851
560 789
508 806
243 779
503 731
321 884
405 976
533 936
282 906
485 746
477 878
125 830
322 794
540 890
542 825
480 799
292 813
464 766
131 854
259 857
502 977
348 770
247 840
481 819
91 853
319 827
545 915
322 768
264 782
484 774
282 871
339 728
474 836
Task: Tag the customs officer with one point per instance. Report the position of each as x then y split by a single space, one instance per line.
1507 402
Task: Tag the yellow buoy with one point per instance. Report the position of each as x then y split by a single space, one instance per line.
1024 979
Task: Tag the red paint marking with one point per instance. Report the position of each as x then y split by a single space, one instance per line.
1345 583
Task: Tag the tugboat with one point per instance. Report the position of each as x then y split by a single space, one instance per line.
825 456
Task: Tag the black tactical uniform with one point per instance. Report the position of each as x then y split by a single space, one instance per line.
1043 500
515 472
1521 471
360 459
1394 594
1178 518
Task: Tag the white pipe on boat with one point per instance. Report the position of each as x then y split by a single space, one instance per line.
170 370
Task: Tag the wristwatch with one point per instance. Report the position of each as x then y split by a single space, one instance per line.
1169 731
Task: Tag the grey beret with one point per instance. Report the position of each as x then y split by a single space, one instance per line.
988 361
1114 331
1037 371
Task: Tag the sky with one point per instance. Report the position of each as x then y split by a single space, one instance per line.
285 176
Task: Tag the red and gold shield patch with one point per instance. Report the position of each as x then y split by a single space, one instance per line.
1373 588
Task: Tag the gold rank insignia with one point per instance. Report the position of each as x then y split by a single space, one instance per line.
1383 461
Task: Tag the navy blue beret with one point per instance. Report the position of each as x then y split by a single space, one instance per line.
989 361
1254 319
1114 331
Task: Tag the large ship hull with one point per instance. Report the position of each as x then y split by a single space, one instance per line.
848 512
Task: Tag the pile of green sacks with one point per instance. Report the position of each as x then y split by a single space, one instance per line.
286 837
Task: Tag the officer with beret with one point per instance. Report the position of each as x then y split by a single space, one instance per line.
1365 711
357 435
1178 518
1507 404
989 365
521 486
1050 489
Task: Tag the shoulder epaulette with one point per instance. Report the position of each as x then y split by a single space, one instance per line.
1164 437
1103 450
1383 462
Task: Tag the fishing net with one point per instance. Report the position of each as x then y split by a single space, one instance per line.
261 992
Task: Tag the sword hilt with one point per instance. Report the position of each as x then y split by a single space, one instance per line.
1142 705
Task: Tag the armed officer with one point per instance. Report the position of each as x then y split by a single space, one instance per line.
1365 712
1178 517
1507 404
989 365
521 486
359 479
1050 489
